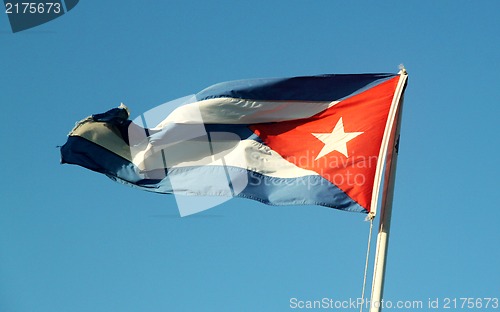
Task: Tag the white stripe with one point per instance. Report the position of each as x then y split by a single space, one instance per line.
242 111
102 135
246 154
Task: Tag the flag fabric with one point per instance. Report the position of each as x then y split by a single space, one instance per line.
316 140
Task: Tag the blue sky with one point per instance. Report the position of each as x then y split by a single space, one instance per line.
72 240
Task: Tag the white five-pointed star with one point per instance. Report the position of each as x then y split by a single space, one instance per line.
336 140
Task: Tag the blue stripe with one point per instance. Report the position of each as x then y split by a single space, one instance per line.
308 190
313 88
173 133
240 130
80 151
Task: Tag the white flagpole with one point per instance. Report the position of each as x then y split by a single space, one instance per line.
386 207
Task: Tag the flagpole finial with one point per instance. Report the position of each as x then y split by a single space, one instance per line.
370 216
402 69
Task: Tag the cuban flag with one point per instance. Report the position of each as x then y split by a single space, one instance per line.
316 140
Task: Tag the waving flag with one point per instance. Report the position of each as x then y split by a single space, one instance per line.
317 140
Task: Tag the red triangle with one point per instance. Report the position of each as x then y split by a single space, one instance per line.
365 112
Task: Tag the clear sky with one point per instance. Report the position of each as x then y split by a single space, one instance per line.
72 240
